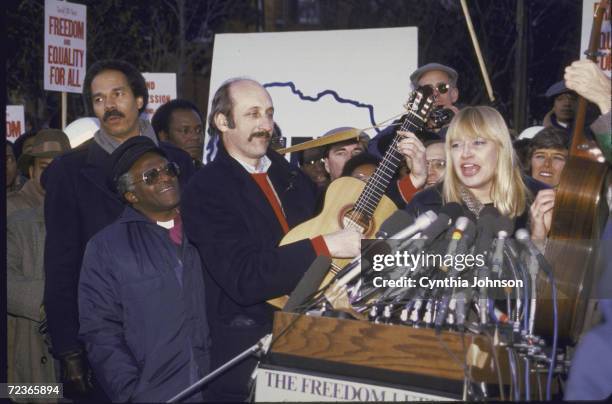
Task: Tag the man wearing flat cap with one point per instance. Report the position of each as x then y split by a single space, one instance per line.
79 203
29 360
48 144
142 309
565 102
443 82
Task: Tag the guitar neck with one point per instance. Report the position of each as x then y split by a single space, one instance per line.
379 181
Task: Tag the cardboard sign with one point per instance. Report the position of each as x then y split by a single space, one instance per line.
65 51
604 61
15 122
320 80
162 88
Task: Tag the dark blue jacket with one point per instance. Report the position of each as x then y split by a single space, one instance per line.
146 333
78 204
431 199
229 219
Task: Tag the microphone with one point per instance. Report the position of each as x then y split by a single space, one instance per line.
460 243
447 214
420 223
504 227
309 283
395 225
486 227
399 220
522 235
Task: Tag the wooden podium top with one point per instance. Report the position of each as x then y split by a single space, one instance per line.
398 349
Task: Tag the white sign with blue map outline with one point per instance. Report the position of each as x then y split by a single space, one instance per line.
320 80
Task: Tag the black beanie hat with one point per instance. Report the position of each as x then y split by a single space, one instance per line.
124 157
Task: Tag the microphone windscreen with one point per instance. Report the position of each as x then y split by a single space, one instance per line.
399 220
487 229
309 283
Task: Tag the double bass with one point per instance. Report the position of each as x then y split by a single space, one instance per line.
579 215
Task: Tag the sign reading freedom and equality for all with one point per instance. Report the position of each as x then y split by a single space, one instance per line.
15 122
320 80
65 50
605 38
162 88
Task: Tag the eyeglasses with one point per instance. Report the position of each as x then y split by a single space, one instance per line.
151 177
436 163
441 87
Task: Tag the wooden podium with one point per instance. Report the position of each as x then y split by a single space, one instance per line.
389 354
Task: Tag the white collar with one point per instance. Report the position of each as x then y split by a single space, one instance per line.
262 167
167 225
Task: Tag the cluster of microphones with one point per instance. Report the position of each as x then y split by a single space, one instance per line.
446 270
450 271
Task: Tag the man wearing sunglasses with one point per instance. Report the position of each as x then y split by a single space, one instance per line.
237 209
443 81
141 295
79 203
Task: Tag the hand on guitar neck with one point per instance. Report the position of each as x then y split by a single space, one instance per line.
585 78
414 152
345 243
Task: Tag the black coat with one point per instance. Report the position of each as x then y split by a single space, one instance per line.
228 218
78 204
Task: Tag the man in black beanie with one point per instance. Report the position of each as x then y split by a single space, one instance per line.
142 310
78 204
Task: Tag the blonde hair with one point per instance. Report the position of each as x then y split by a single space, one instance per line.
508 190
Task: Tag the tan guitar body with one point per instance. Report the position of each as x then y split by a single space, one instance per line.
339 200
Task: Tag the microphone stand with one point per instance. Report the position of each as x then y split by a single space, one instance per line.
261 347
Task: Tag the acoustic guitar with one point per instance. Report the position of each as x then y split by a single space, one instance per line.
577 224
352 204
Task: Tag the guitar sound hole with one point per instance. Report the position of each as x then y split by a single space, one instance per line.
351 219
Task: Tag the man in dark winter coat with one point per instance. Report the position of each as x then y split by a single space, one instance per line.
142 308
78 203
236 210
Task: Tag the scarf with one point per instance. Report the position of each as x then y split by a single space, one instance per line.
472 203
109 143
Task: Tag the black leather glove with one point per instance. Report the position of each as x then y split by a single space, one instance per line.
76 375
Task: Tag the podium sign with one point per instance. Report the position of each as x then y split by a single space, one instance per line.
287 385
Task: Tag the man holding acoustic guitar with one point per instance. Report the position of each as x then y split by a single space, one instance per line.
236 211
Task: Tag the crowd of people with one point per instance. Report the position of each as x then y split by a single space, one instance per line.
134 269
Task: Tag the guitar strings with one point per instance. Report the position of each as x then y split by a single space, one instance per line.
375 185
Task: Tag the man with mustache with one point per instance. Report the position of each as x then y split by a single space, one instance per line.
79 203
180 123
236 210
